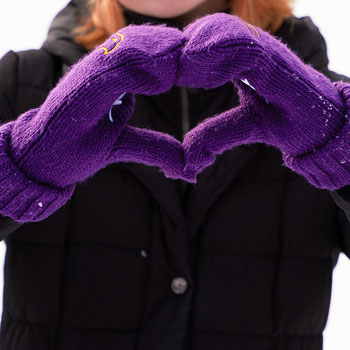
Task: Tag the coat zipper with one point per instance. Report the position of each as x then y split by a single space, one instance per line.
185 120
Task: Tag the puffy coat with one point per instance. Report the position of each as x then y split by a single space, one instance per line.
241 260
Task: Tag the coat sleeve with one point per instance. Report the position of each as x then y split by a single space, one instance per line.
342 198
8 86
8 92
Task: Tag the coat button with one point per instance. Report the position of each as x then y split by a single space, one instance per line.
179 285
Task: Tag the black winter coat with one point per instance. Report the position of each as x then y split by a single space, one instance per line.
135 261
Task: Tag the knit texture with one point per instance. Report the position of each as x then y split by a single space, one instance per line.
47 150
283 102
328 166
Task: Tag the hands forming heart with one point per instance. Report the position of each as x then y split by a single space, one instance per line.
283 103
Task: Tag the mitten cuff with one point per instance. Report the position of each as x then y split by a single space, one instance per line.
329 166
22 198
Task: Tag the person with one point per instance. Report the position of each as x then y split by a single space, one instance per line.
149 232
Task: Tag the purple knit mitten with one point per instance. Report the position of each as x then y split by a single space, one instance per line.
72 135
283 102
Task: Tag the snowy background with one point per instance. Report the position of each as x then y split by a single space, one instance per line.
24 24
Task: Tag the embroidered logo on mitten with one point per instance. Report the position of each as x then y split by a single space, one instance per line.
252 28
117 40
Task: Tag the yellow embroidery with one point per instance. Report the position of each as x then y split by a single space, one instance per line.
117 40
254 29
247 25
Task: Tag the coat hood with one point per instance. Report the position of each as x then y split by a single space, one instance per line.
59 40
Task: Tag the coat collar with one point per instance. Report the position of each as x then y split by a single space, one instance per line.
137 18
202 196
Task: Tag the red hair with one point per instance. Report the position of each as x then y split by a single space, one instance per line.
106 17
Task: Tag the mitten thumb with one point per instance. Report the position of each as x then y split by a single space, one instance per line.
151 148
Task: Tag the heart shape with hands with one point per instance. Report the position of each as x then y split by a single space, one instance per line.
82 126
283 103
